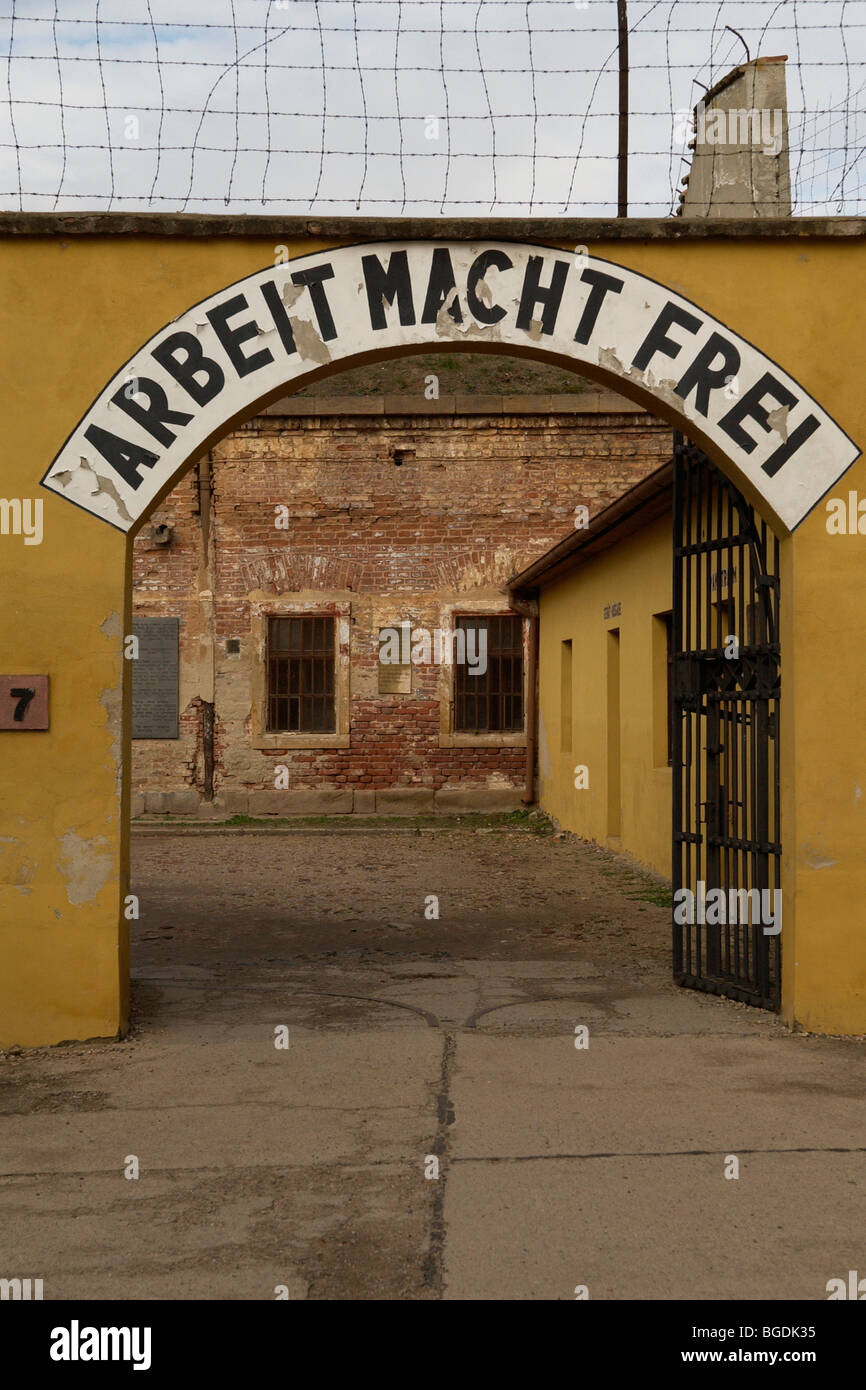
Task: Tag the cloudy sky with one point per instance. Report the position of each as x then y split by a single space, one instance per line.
417 107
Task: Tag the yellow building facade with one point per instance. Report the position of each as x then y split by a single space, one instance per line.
603 646
220 317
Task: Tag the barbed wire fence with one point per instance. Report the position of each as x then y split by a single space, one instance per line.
421 107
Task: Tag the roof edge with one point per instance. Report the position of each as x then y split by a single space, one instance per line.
354 229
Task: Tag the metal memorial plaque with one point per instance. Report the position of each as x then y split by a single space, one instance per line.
395 679
154 678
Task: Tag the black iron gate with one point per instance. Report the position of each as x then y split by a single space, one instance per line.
725 738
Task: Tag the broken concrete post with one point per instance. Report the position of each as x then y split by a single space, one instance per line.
740 167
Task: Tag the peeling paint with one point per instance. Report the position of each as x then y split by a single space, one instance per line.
101 484
113 626
484 294
85 865
607 358
778 421
664 388
111 700
445 323
308 342
290 294
446 327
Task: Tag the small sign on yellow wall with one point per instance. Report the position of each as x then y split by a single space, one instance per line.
23 703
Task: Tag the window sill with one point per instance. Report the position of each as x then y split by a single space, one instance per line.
482 740
289 741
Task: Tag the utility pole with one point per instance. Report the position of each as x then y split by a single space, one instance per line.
622 155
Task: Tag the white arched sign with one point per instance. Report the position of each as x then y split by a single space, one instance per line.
224 356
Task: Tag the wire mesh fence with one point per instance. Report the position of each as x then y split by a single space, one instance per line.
420 107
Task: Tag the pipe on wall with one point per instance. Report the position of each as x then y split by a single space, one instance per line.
528 609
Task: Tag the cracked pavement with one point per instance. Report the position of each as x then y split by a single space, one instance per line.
410 1040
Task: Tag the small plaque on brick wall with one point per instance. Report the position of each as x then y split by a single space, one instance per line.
154 678
395 679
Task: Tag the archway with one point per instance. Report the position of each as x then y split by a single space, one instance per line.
627 315
227 356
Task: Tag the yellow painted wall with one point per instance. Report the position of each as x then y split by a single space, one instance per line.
74 309
635 573
71 313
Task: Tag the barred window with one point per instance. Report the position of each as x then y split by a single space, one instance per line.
301 675
491 699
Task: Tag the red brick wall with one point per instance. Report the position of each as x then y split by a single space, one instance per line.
482 496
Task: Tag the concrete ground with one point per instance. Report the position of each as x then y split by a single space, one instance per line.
307 1168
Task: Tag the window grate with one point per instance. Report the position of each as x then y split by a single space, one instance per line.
301 675
490 701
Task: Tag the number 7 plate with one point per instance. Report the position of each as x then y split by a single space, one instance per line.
23 703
